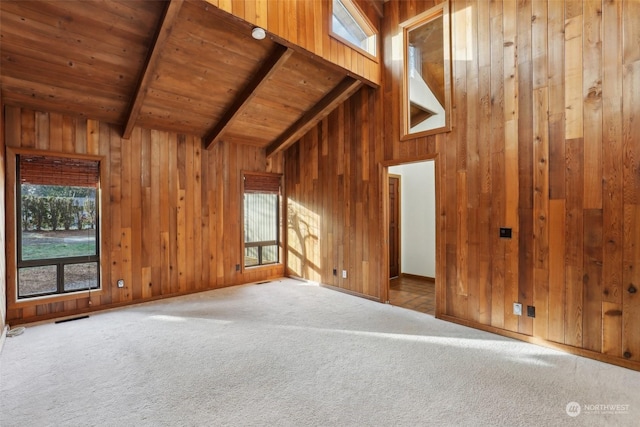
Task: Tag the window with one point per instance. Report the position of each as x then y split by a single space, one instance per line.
426 88
350 25
261 223
58 206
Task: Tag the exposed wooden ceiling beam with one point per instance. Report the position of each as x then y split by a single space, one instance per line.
270 66
164 30
347 87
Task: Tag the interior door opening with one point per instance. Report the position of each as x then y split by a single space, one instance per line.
411 214
394 226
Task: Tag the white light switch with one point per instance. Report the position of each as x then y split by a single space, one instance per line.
517 309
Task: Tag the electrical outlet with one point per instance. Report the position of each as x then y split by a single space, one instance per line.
344 274
531 311
505 232
517 309
121 283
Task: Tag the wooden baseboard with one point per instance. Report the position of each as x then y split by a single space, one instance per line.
629 364
418 277
335 288
47 318
347 291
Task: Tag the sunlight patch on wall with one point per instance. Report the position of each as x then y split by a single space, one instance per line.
303 241
396 47
462 35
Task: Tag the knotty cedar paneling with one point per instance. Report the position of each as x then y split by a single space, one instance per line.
546 118
307 24
170 210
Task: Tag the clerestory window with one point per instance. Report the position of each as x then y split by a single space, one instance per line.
349 24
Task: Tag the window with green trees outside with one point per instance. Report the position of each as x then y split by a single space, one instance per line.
58 230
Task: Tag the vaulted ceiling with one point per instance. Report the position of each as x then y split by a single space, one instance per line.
180 66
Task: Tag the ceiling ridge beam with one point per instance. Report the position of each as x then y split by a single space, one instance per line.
347 87
164 30
276 59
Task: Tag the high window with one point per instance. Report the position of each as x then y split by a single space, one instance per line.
58 227
261 222
350 25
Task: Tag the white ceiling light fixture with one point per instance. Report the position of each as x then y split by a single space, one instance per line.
258 33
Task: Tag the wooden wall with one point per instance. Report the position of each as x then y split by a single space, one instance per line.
170 210
333 198
3 259
545 140
306 24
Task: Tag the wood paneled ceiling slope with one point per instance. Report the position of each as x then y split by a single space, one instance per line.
179 66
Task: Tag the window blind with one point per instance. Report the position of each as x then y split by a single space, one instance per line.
52 170
261 183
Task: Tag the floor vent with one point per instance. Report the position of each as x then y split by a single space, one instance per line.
73 318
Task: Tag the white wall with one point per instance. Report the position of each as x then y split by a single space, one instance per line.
417 218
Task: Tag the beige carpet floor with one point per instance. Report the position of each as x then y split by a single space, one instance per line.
287 353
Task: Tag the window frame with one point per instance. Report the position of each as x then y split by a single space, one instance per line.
279 217
365 25
60 262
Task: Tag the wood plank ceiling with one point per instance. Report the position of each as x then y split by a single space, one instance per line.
179 66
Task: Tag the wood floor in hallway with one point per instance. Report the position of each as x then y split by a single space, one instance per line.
413 292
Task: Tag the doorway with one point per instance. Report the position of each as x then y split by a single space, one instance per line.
394 226
411 215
